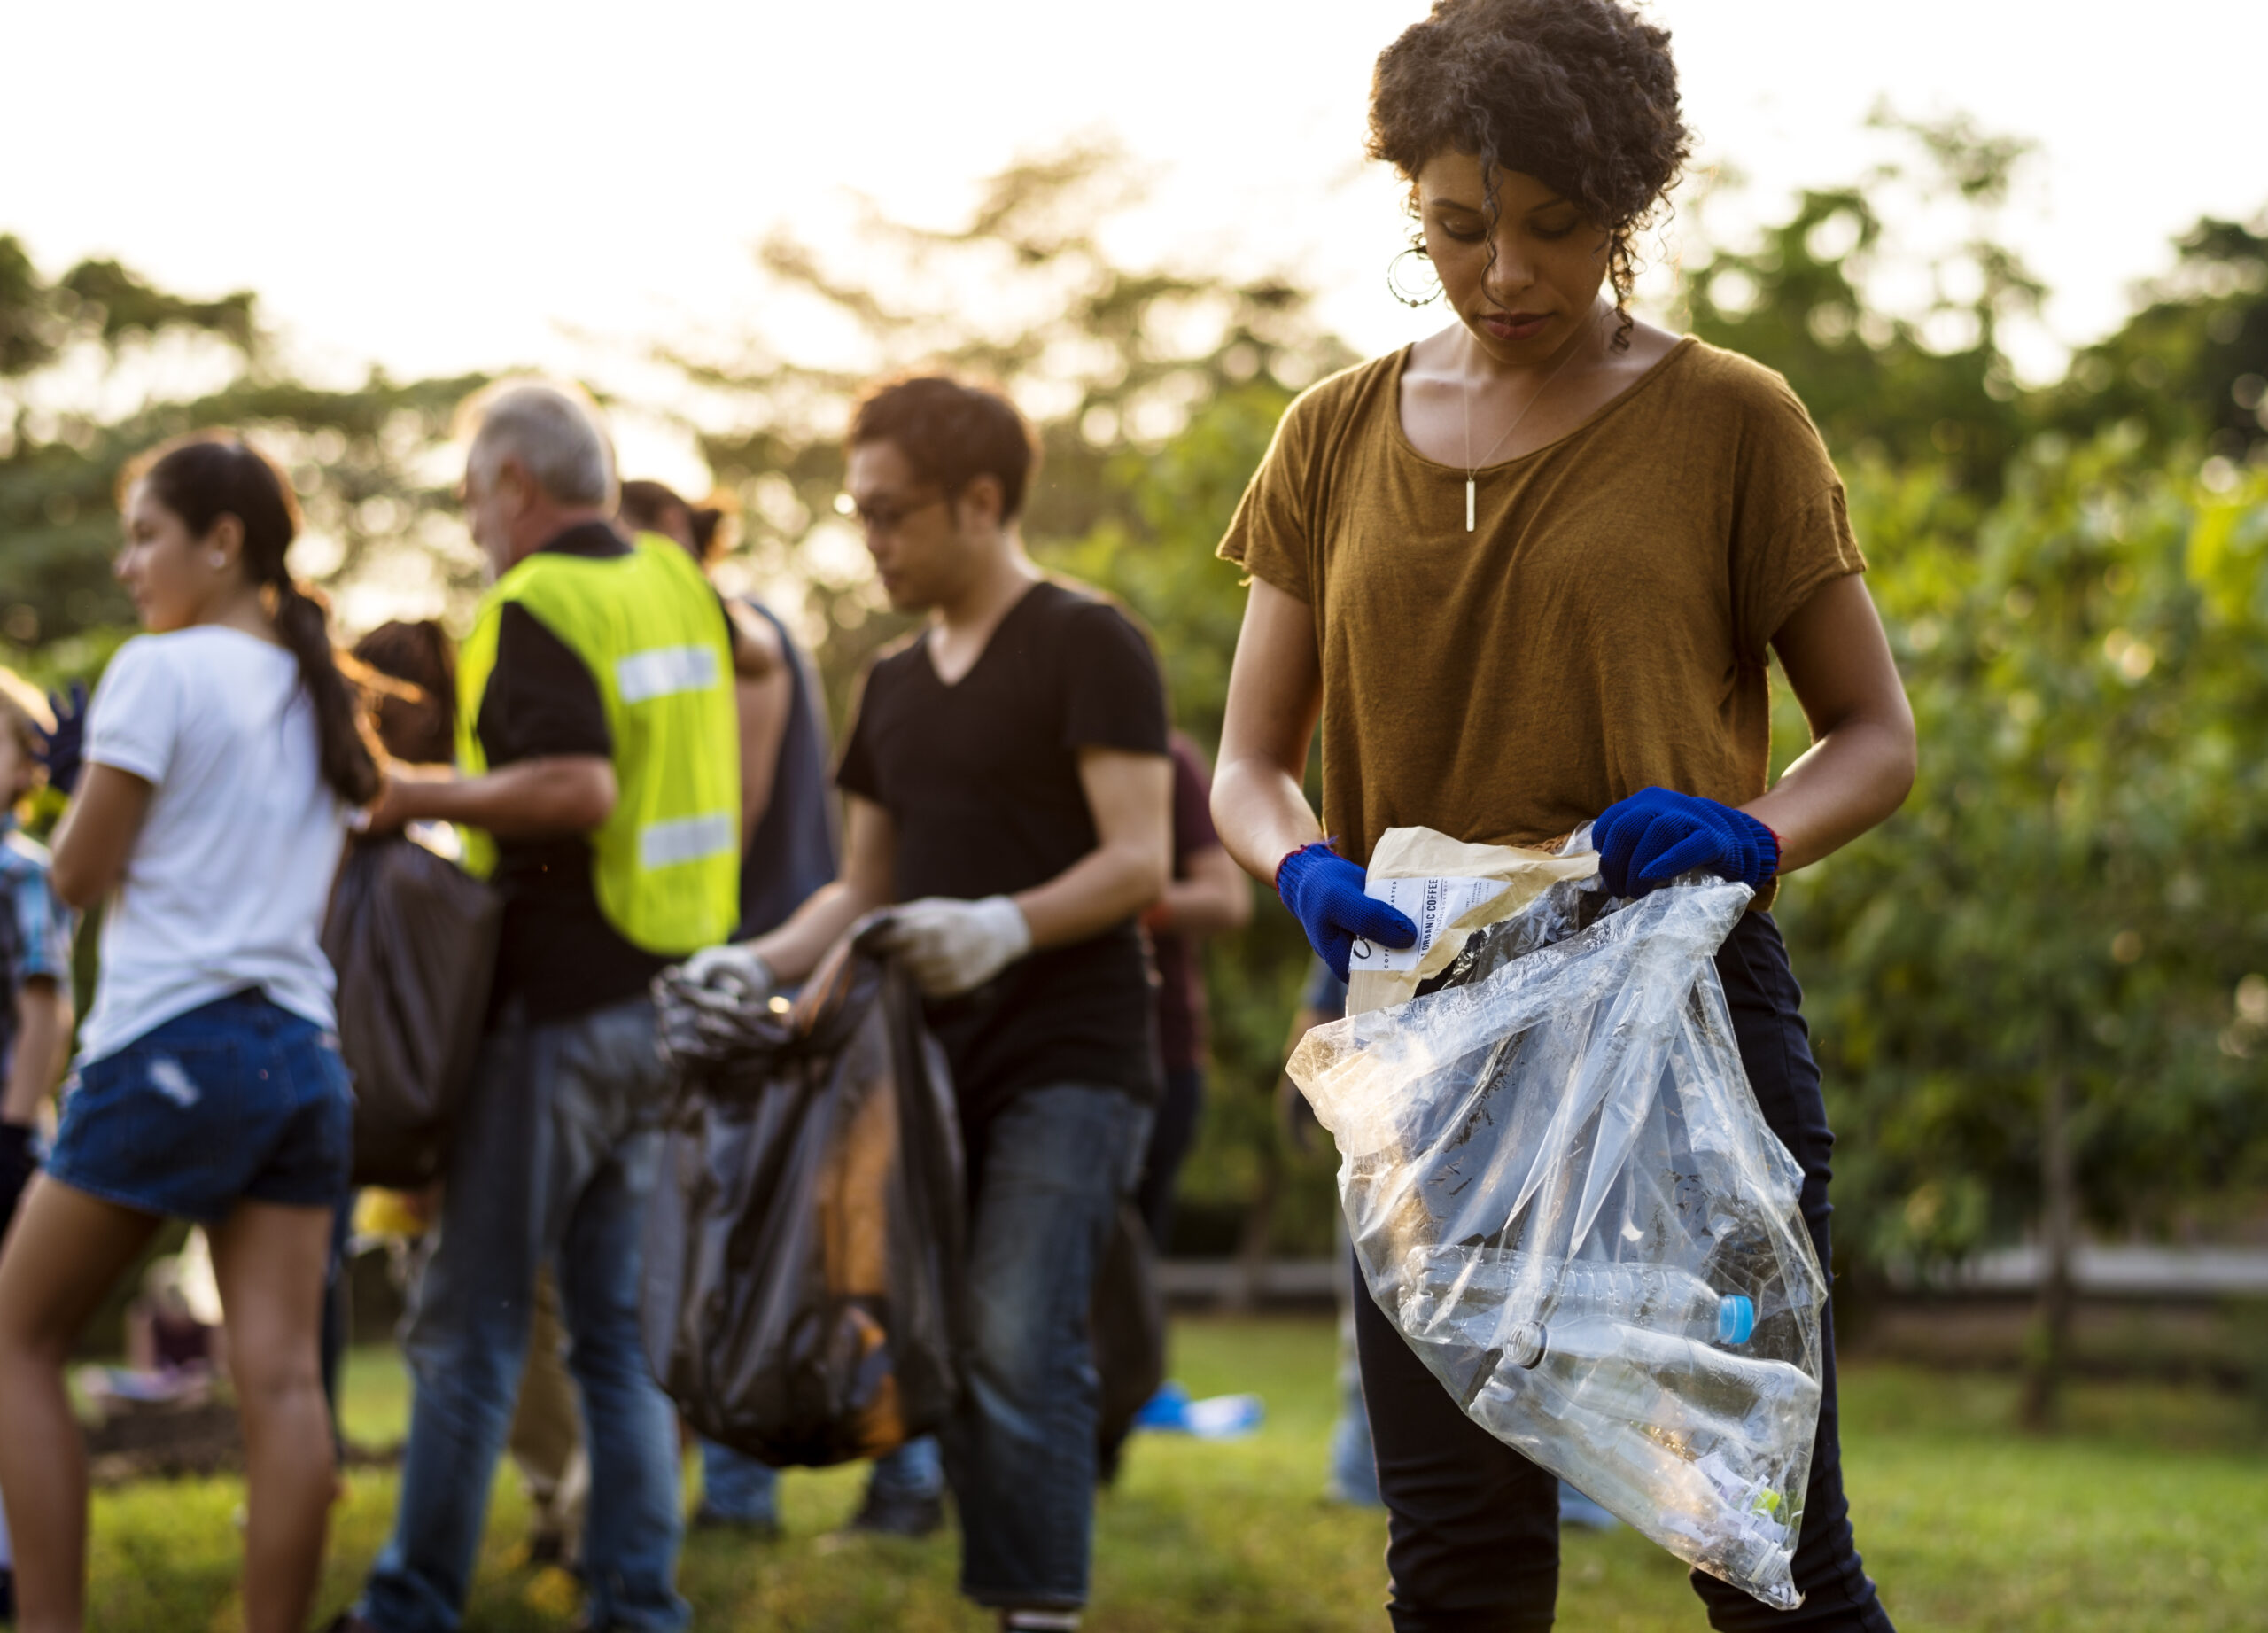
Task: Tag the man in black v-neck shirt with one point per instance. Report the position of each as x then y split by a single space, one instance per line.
985 771
1007 784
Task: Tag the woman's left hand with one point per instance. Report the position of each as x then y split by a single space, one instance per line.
64 751
1649 838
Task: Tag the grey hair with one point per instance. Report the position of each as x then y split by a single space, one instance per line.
556 432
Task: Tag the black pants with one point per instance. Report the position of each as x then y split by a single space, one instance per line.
1473 1538
1171 1134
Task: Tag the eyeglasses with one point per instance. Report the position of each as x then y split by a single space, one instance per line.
882 517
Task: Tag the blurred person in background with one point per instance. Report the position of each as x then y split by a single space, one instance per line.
408 674
788 823
597 786
415 716
35 934
35 931
222 755
412 674
789 852
1209 895
1007 787
1352 1477
1529 573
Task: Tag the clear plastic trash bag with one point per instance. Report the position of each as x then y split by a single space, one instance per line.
1562 1191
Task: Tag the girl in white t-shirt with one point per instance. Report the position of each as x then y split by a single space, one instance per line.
224 751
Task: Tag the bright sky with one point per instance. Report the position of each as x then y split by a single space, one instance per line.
440 186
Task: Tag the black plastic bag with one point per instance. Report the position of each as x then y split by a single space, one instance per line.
1126 1324
413 938
804 1250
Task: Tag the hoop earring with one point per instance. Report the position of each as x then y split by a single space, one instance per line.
1414 297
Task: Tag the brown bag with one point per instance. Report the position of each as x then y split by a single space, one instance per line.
413 938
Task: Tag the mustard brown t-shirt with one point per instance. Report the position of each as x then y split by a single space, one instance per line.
1605 627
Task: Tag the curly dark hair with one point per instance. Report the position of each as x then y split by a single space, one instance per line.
1579 94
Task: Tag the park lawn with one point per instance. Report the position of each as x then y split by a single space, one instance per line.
2149 1513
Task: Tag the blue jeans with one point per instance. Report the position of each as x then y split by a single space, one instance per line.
557 1150
738 1488
237 1097
1353 1471
1047 1172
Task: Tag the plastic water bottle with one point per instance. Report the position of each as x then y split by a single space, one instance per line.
1669 1432
1663 1381
1470 1290
1738 1518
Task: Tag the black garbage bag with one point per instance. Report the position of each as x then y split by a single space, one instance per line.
1127 1326
413 938
804 1250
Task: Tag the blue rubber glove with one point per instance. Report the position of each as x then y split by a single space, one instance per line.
1325 892
64 751
1655 835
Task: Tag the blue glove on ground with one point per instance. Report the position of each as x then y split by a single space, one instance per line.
1655 835
64 751
1325 892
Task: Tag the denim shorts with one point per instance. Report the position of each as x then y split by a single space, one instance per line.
237 1097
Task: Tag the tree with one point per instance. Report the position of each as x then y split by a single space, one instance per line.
2029 990
2191 366
1801 299
92 369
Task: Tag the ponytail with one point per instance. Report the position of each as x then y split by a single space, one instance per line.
204 477
342 745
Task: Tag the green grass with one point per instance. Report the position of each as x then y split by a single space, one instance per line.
2149 1513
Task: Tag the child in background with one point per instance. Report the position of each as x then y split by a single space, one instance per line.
34 947
34 976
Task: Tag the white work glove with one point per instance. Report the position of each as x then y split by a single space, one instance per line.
952 946
733 971
705 1006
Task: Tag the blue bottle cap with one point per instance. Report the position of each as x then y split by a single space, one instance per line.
1736 1319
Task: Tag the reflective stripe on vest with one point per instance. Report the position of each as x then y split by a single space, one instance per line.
666 863
686 839
643 676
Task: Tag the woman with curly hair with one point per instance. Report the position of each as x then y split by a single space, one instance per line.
1528 572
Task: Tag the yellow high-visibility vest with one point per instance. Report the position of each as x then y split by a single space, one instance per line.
666 864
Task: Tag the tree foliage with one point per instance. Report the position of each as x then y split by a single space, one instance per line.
90 367
1800 299
2075 887
2191 367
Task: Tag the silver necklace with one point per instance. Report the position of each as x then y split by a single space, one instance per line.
1472 466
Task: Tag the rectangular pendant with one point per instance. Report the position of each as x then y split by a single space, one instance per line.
1468 505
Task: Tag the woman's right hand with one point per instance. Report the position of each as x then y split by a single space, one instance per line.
1325 892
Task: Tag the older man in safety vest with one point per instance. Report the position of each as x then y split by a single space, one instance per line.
597 781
